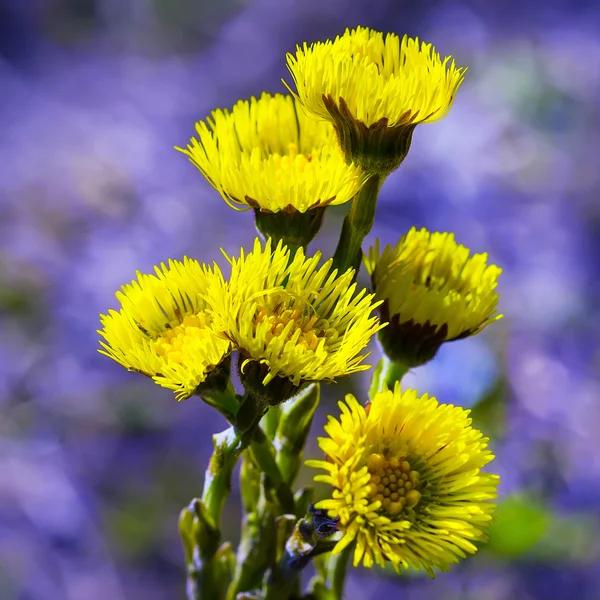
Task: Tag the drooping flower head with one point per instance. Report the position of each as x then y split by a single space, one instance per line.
293 321
164 328
268 155
407 481
376 89
432 291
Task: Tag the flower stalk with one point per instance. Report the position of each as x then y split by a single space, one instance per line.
223 400
337 567
358 222
386 373
209 566
294 426
256 552
263 454
205 578
228 446
199 523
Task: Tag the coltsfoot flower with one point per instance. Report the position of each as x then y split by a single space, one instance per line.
267 155
375 89
432 291
294 322
407 481
164 328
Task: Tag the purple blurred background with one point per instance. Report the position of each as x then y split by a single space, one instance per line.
95 463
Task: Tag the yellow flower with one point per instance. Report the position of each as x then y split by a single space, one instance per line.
407 481
164 328
377 77
375 89
267 155
292 320
432 291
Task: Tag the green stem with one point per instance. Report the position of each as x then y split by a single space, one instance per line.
294 425
203 579
263 454
392 372
208 565
270 421
338 567
387 373
357 224
257 543
200 522
256 550
249 483
228 446
225 401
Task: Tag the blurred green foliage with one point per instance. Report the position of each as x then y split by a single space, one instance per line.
132 525
489 414
519 524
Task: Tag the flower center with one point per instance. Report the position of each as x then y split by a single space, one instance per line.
292 158
174 343
393 483
290 324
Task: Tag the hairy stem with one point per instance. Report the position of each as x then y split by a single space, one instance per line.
357 224
203 568
338 567
228 446
264 456
224 401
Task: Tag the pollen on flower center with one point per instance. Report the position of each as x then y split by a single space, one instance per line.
172 345
292 324
292 159
393 483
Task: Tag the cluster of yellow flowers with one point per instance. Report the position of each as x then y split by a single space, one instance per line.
294 319
405 471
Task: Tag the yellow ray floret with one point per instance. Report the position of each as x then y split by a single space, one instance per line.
407 481
429 278
266 154
377 77
299 321
164 328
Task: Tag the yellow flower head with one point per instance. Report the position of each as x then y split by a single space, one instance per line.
407 481
377 76
432 291
375 89
164 328
291 319
267 155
